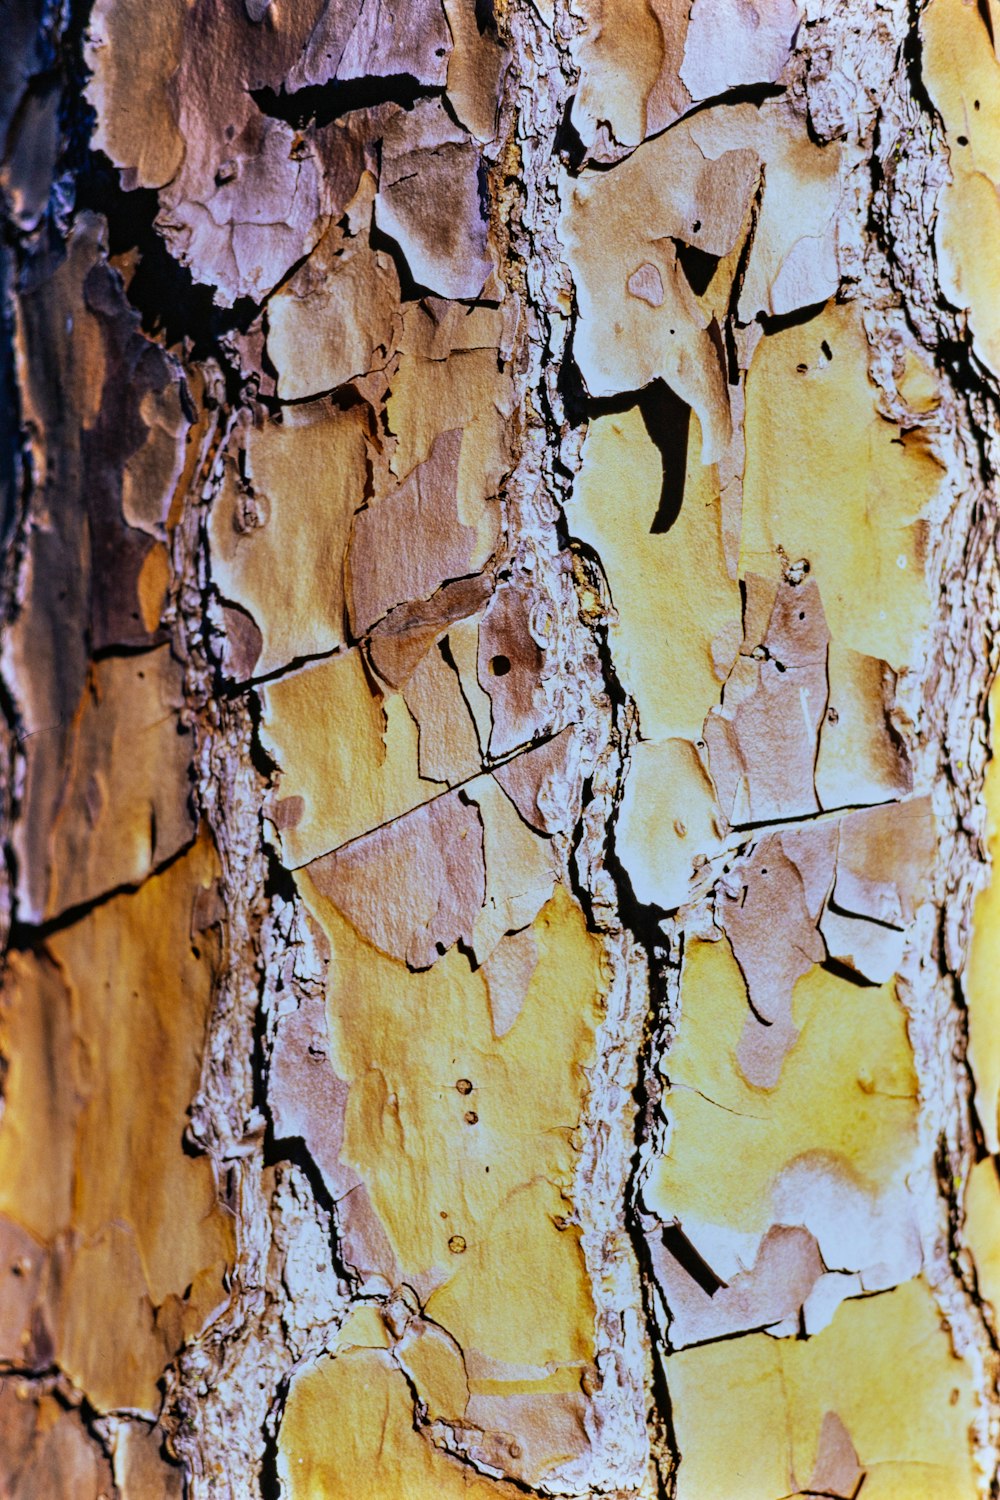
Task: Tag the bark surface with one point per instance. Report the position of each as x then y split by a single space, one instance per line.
500 603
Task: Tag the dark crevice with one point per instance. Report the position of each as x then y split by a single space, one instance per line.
321 103
293 1151
698 266
119 650
732 358
263 763
648 1098
10 428
687 1256
961 1003
171 305
577 401
983 6
31 936
410 290
568 144
490 763
269 1483
821 814
486 17
279 882
963 1266
858 916
231 687
749 93
778 322
849 975
665 960
667 419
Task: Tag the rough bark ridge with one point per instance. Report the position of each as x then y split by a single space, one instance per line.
500 601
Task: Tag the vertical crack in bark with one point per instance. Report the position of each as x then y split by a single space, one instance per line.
948 699
843 90
286 1299
540 95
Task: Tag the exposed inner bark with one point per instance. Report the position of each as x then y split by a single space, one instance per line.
499 599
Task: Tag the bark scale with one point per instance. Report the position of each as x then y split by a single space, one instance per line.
500 600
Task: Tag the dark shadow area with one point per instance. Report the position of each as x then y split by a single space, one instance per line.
170 303
698 266
684 1253
322 103
668 421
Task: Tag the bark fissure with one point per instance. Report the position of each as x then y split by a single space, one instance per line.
500 602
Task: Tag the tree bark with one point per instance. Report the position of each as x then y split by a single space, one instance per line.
500 598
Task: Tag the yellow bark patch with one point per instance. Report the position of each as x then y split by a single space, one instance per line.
348 756
981 987
671 591
981 1229
280 525
151 586
465 1141
348 1434
749 1415
845 1100
124 803
830 481
465 390
336 319
620 49
105 1034
669 822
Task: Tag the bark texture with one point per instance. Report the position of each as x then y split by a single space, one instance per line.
500 604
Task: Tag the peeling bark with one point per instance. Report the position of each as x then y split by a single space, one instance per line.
499 601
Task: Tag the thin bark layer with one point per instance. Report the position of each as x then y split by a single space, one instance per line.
500 594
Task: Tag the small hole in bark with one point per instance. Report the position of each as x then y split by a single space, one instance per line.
471 1118
456 1244
963 140
464 1086
500 666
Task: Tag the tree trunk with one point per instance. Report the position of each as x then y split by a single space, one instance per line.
500 604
